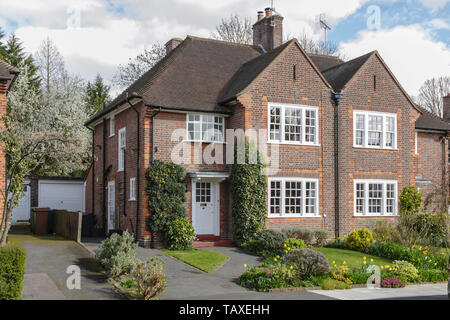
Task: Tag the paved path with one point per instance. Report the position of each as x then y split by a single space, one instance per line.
416 292
45 278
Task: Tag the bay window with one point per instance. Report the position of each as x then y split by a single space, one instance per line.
293 197
205 128
293 124
375 198
375 130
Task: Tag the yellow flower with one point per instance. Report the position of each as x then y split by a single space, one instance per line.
278 257
425 253
289 249
344 262
285 245
371 260
435 264
365 262
390 269
275 259
387 267
420 248
430 261
245 266
334 262
381 267
365 258
292 267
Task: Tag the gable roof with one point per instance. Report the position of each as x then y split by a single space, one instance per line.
324 62
8 73
430 121
339 75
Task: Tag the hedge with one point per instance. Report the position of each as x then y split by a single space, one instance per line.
12 272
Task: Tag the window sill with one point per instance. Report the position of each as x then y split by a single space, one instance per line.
113 135
374 148
294 144
374 216
131 200
292 216
204 142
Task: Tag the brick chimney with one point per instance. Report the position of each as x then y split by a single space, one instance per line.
268 30
172 44
446 108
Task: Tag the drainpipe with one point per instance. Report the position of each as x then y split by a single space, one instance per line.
337 97
93 170
105 227
444 171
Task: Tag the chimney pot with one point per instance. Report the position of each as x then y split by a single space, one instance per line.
260 15
268 12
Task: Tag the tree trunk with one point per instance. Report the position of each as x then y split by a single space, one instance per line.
5 227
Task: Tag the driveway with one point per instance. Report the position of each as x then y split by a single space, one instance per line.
46 277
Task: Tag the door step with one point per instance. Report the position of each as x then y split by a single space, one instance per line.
217 243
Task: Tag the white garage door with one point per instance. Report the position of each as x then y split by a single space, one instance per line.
23 210
61 195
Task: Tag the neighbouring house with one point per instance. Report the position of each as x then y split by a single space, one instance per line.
8 75
349 137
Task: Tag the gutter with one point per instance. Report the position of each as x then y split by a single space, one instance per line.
337 97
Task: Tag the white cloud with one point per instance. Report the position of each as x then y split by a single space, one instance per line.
434 4
410 52
439 24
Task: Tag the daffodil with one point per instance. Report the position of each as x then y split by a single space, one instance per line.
292 267
245 266
371 260
275 259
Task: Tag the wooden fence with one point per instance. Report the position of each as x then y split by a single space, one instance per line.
67 224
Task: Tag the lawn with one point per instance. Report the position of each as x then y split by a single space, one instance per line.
205 260
353 259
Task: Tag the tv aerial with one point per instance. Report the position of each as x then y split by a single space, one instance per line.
324 25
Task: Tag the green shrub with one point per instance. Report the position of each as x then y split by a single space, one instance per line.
260 279
307 261
360 276
385 231
129 284
150 278
359 239
410 200
430 228
300 233
336 244
332 284
321 237
12 272
292 243
404 270
433 275
166 194
116 254
180 235
269 241
249 193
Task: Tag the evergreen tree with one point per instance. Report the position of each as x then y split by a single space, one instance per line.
2 34
97 94
14 54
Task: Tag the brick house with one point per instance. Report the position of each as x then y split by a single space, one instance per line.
345 134
8 75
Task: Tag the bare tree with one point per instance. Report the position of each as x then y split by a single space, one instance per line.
312 46
136 67
431 94
50 65
235 29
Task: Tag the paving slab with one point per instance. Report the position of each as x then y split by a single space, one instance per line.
415 292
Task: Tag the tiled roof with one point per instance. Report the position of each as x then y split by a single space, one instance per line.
430 121
7 72
324 62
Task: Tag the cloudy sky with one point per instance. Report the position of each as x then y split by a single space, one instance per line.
95 36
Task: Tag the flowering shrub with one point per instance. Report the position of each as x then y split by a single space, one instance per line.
341 273
404 271
359 239
180 235
294 244
307 261
261 279
392 283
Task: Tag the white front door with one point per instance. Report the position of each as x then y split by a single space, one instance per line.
111 205
23 211
205 208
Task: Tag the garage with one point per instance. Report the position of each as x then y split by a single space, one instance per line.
54 193
61 195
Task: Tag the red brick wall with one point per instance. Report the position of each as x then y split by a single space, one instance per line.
354 163
430 168
277 84
3 91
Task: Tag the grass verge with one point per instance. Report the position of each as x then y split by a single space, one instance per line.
205 260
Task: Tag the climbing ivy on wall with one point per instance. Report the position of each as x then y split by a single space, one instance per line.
166 192
249 196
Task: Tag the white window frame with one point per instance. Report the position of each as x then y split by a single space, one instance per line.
112 126
366 115
132 189
383 201
202 134
282 139
122 144
283 197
